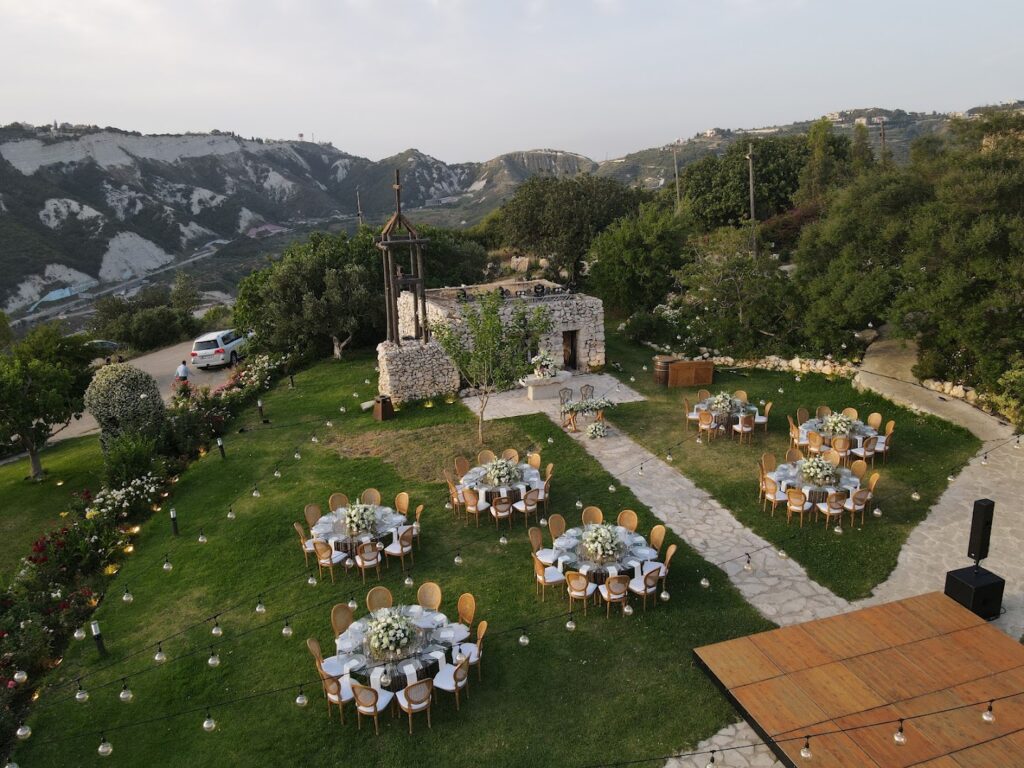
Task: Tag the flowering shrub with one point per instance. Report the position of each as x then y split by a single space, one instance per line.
124 400
258 372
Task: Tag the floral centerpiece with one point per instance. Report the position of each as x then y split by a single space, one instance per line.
388 632
721 403
359 517
836 424
544 366
820 472
502 472
600 543
597 429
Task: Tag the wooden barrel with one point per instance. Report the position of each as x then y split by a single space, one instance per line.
661 364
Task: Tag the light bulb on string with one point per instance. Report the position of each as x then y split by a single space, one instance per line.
231 513
301 700
640 472
202 537
277 471
23 732
669 458
329 424
20 676
105 749
627 609
915 496
260 607
167 564
217 631
524 639
458 558
126 694
80 633
286 630
379 546
1016 443
805 750
503 540
159 657
988 715
570 624
900 737
783 554
311 580
711 762
409 581
343 409
748 566
665 596
579 504
543 522
611 489
214 660
352 604
209 724
314 439
385 679
349 562
877 512
699 440
256 492
297 455
984 460
950 478
551 441
838 530
81 695
705 582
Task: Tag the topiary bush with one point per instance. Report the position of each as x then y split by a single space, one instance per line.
125 401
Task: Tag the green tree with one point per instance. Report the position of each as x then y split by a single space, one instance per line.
452 258
42 382
184 293
5 331
558 218
319 296
828 163
862 157
631 262
492 345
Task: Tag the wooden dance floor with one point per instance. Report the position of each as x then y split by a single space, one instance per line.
863 670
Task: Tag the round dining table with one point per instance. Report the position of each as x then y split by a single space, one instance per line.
634 552
726 417
332 529
435 645
791 476
859 431
476 478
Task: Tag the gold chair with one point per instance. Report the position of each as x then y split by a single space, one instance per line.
772 494
592 515
467 608
857 503
874 420
312 513
762 418
379 597
832 507
692 414
866 451
822 411
545 495
418 529
661 568
533 460
474 504
457 504
706 424
744 428
549 470
795 439
474 652
796 504
485 457
306 544
802 417
768 463
370 496
501 509
429 595
453 678
628 520
367 557
546 556
645 585
528 505
545 576
657 537
815 443
402 503
579 587
416 697
702 395
461 466
794 455
337 501
841 445
587 392
741 395
851 413
337 691
341 617
326 557
370 702
556 526
615 590
873 481
510 454
884 443
402 546
832 456
859 468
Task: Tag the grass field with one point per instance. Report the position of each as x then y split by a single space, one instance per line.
623 688
926 451
29 509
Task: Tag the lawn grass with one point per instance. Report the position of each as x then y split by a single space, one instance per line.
615 689
29 509
926 451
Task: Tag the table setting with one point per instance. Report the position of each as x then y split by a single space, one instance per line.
816 477
600 550
394 647
347 527
838 424
502 478
726 409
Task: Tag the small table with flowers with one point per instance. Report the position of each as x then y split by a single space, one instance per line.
818 481
502 478
838 425
726 409
394 647
601 550
348 527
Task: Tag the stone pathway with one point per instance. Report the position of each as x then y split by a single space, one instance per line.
735 735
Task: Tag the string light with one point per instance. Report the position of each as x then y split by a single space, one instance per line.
126 694
704 582
214 660
543 522
312 579
159 657
611 489
669 458
570 624
352 604
167 564
256 492
277 472
551 441
343 409
877 512
260 607
579 504
409 581
314 439
202 537
838 530
711 762
640 472
231 513
23 732
805 750
329 424
984 460
209 724
301 700
748 566
503 540
105 748
20 676
900 737
81 695
286 630
216 631
297 455
915 496
458 558
524 639
783 555
627 609
988 715
79 633
665 596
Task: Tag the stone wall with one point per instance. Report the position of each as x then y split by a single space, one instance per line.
828 366
415 371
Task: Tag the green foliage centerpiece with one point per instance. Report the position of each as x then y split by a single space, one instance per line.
600 543
359 518
389 634
502 472
819 472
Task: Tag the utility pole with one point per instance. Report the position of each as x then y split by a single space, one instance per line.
881 125
753 218
359 209
675 162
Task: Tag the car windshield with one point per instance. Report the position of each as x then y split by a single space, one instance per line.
211 344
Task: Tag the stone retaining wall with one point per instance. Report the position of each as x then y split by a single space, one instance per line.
415 371
775 363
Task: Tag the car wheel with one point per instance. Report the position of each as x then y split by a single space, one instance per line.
234 359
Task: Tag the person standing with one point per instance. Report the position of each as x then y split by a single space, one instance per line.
181 374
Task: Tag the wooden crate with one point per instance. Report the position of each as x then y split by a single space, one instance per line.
690 373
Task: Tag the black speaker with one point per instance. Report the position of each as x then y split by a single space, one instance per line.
976 589
981 529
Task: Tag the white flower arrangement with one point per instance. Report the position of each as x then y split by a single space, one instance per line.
600 543
388 632
502 472
721 403
836 424
359 517
597 429
819 472
588 406
544 365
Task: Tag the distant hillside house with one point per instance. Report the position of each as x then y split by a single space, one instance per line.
576 338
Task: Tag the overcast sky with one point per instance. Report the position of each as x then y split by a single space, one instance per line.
464 80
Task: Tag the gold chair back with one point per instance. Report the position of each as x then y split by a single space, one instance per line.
802 416
741 395
461 466
874 420
822 411
485 457
312 513
536 538
556 525
768 463
510 454
337 501
703 394
377 598
628 520
341 618
467 608
402 503
592 515
657 537
851 413
429 595
794 455
534 460
859 468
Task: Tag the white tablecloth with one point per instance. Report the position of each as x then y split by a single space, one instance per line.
789 476
858 432
475 479
331 527
636 552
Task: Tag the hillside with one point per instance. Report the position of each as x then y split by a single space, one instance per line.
82 207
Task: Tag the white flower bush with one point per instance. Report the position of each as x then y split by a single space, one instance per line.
600 542
259 371
359 517
819 472
388 632
597 429
115 502
502 472
124 399
836 424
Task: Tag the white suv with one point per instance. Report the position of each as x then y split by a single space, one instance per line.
217 348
